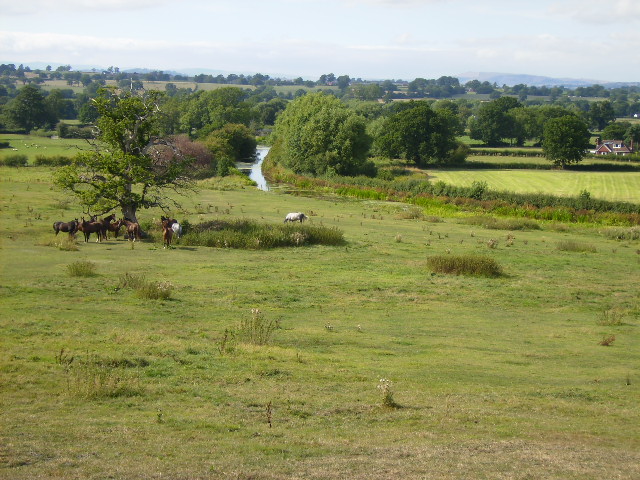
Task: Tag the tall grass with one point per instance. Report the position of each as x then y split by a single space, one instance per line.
251 235
82 268
477 265
574 246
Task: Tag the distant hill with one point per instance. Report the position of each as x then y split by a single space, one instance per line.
511 79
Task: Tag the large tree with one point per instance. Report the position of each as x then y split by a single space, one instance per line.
318 134
420 135
494 121
129 167
566 140
28 110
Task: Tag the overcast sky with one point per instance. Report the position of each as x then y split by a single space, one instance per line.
370 39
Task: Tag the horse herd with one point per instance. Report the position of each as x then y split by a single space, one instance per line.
102 227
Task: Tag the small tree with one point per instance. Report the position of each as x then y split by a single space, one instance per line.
566 140
129 167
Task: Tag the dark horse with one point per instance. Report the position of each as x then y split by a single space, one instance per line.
70 227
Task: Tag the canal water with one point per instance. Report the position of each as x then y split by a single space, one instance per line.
254 170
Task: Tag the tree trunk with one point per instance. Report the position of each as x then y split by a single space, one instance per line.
129 212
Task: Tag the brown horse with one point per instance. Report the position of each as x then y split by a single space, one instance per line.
167 232
133 230
70 227
91 227
115 227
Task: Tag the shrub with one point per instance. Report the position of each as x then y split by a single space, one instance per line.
573 246
82 268
155 290
479 265
16 160
256 330
144 288
632 233
51 161
247 234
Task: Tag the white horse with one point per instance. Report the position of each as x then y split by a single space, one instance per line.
295 217
177 229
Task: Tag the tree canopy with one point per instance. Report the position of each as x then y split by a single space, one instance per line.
318 134
420 135
130 167
566 140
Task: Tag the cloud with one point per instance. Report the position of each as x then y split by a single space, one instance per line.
622 12
11 7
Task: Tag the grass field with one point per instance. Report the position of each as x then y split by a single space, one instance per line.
614 186
500 378
33 145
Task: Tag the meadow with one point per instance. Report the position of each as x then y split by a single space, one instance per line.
374 366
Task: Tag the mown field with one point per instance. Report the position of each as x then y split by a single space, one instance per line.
613 186
501 378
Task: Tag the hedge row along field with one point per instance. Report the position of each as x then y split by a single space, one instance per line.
477 197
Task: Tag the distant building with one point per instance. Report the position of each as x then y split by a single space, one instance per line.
612 147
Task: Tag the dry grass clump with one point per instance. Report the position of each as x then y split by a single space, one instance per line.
574 246
493 223
82 268
477 265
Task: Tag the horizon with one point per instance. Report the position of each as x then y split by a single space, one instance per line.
368 39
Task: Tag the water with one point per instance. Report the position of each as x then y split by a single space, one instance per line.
255 169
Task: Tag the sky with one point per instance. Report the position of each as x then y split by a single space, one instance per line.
368 39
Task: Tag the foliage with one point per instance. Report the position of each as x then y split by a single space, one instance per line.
420 135
249 234
477 265
27 110
16 160
229 144
82 268
494 122
566 140
130 168
318 134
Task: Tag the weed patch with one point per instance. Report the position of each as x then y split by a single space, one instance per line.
477 265
251 235
82 268
493 223
573 246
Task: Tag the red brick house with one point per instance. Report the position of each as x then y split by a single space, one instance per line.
612 147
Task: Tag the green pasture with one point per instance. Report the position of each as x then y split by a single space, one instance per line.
496 378
614 186
34 145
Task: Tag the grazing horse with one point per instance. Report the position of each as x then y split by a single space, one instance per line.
70 227
133 230
91 227
295 217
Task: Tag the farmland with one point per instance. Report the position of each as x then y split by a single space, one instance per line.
532 374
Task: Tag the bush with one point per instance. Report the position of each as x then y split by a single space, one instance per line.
16 160
82 268
479 265
144 288
51 161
